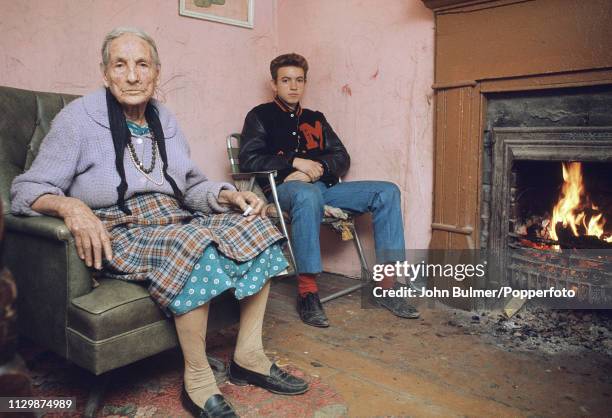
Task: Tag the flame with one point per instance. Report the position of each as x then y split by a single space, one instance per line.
570 209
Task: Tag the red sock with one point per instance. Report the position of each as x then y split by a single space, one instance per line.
387 282
307 283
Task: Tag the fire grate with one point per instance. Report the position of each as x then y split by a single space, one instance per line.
588 273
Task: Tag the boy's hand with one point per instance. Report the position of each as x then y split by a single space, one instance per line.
298 176
312 169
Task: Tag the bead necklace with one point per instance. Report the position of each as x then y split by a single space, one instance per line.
140 132
138 165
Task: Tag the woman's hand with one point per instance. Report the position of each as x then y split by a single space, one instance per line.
243 200
91 238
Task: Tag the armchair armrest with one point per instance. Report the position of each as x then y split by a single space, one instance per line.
41 254
40 226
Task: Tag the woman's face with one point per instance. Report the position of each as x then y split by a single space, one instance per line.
131 74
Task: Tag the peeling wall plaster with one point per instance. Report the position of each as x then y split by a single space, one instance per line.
372 69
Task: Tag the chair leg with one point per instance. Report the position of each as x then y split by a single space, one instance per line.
96 394
293 262
282 222
342 292
365 271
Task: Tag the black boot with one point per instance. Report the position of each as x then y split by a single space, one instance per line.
398 306
311 312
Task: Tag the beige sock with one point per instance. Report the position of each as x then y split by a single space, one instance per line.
249 351
199 379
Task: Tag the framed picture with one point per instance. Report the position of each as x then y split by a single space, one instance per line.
232 12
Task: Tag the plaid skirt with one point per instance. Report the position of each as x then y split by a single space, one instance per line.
160 242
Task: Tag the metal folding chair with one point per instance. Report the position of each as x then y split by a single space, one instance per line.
246 181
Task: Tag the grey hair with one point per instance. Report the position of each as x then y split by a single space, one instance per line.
117 32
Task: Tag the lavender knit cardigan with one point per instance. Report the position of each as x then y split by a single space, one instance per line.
77 159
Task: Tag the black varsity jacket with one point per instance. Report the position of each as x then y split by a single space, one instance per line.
274 134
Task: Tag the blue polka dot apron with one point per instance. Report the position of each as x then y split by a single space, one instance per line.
214 273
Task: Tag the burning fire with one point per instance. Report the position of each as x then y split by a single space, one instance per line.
574 210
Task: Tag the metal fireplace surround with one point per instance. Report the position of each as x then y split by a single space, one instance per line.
593 144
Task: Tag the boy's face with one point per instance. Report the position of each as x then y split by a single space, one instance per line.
289 84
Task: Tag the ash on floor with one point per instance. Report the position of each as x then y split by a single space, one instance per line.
537 328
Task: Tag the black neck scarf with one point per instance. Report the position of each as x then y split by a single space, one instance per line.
121 135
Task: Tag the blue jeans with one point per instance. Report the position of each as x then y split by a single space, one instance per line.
304 202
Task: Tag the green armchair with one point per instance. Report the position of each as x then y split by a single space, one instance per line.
101 328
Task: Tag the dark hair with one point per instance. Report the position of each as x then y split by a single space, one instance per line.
288 60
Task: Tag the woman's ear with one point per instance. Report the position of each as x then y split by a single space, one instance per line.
104 77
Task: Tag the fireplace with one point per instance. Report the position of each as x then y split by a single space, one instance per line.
509 64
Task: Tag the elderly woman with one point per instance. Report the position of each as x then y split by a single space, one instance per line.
115 167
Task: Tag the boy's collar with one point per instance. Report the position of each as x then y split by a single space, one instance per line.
286 107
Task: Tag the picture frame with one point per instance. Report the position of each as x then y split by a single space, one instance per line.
231 12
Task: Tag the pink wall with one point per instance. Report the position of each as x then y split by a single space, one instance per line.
371 71
372 68
212 73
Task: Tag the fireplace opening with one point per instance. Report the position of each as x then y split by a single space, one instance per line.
557 207
550 223
562 204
